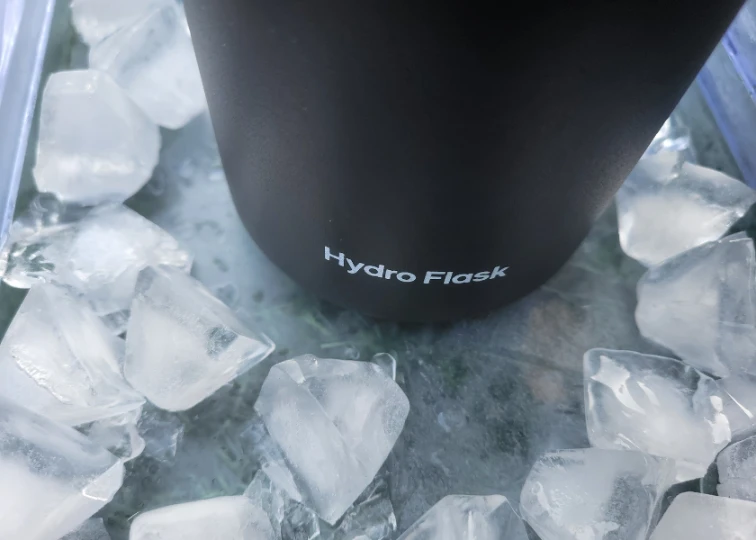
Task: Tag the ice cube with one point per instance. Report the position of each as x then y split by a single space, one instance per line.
700 305
736 466
182 343
53 478
97 19
594 494
739 394
334 422
663 212
59 360
118 434
95 144
227 518
694 516
655 405
153 60
92 529
99 256
465 517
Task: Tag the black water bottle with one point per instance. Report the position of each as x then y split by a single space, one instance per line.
423 160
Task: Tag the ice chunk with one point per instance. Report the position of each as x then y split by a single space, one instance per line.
655 405
99 255
97 19
371 515
53 478
93 529
736 466
59 360
739 394
464 517
334 422
664 211
118 434
182 343
700 305
671 137
95 144
289 519
229 518
694 516
594 494
153 60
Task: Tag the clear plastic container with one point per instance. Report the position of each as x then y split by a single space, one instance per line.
24 30
734 109
740 44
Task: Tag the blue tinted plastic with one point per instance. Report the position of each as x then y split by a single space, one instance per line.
24 30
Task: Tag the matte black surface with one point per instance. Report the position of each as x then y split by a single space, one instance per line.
430 136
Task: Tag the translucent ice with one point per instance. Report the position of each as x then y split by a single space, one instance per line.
92 529
736 466
59 360
594 494
371 515
386 362
655 405
694 516
53 478
739 395
227 518
700 305
118 434
663 211
464 517
182 343
162 433
95 144
334 422
99 255
153 60
97 19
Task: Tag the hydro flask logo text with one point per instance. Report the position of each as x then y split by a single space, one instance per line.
432 276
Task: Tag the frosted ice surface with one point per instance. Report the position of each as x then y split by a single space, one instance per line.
182 343
665 210
153 60
700 305
226 518
99 256
92 529
736 466
334 422
59 360
465 517
655 405
594 494
95 144
53 478
97 19
694 516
